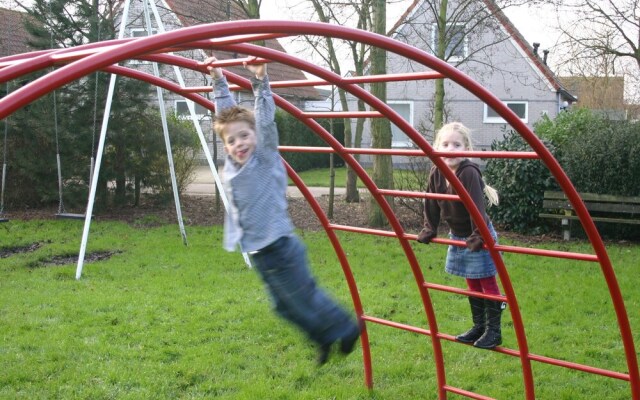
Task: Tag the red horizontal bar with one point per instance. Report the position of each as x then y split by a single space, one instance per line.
466 393
367 231
396 325
518 250
424 195
343 114
460 243
580 367
464 292
548 253
235 61
321 82
413 152
409 76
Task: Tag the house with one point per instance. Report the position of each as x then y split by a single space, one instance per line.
601 94
14 38
485 45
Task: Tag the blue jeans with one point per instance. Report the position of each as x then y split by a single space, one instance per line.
284 268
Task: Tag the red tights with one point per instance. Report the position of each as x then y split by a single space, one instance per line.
488 285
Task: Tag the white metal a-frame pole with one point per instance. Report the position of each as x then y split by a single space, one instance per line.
99 152
105 122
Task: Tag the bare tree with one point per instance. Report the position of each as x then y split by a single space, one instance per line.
329 51
250 7
601 38
326 48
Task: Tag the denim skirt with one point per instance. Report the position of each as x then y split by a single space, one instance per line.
470 264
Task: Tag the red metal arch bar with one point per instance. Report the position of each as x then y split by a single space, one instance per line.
593 235
413 153
267 53
604 266
429 302
614 300
353 79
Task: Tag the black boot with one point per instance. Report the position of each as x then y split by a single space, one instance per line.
492 336
479 321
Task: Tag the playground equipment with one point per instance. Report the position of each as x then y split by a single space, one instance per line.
4 165
234 37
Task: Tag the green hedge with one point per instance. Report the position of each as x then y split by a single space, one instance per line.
597 154
520 184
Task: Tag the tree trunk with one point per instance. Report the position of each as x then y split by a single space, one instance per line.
438 112
441 48
353 195
137 188
121 176
380 127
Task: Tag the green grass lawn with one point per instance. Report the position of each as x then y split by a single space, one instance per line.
160 320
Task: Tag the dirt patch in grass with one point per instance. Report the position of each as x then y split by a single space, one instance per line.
73 258
10 251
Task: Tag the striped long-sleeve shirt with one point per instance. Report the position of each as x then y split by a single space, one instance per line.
258 189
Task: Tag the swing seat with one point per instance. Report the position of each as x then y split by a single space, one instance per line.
70 216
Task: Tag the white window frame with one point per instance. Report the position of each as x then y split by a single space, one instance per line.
450 58
496 119
198 108
407 143
132 33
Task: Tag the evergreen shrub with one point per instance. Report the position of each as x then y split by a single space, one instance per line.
520 184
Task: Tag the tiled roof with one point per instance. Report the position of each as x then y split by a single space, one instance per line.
195 12
13 35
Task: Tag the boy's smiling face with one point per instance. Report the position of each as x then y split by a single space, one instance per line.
239 141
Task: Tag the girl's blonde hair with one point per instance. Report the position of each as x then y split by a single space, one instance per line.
490 192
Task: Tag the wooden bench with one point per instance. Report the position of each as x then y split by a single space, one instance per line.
627 208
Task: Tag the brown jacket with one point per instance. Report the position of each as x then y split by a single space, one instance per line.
454 212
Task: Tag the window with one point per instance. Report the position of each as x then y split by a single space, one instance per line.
182 110
399 138
138 33
456 40
521 108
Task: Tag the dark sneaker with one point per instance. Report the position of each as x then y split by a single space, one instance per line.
323 353
348 342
